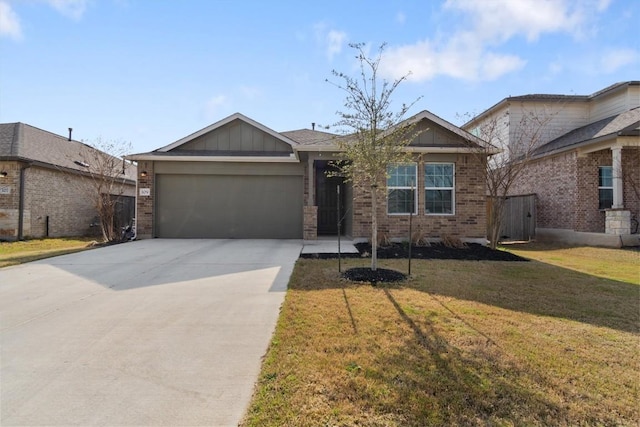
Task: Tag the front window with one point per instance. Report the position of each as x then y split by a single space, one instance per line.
439 194
401 192
605 187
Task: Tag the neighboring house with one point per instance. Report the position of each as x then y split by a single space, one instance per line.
41 175
239 179
585 170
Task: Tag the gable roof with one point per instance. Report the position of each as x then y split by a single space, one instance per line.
624 124
23 142
552 97
220 123
318 140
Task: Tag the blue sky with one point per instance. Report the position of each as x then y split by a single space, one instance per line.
153 71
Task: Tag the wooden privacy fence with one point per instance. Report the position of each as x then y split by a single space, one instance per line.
518 218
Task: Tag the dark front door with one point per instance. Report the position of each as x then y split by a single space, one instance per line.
327 199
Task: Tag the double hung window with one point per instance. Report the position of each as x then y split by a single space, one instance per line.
605 187
439 184
401 185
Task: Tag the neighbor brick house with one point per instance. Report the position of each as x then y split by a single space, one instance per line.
40 177
240 179
585 170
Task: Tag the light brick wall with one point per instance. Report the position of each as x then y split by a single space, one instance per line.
553 181
61 197
48 193
588 217
9 202
469 220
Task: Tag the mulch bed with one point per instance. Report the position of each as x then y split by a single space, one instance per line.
470 252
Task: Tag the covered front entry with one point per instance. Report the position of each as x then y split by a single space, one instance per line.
330 190
229 206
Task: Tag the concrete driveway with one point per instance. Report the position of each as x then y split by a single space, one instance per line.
147 333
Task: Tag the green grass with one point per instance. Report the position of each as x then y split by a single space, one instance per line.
460 343
616 264
12 253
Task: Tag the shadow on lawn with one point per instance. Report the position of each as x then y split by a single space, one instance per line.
531 287
437 385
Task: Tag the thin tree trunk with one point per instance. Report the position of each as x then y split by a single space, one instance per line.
374 227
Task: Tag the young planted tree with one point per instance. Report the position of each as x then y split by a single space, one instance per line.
105 177
375 134
510 151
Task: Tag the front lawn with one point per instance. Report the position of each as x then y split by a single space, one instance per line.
460 343
12 253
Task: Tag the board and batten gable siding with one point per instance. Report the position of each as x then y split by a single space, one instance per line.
434 135
615 103
236 136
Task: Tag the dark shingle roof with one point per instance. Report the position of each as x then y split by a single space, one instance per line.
20 141
611 126
311 137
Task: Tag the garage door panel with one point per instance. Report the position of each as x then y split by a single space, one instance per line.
229 206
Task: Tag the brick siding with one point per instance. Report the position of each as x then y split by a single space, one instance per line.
48 193
469 220
144 212
566 188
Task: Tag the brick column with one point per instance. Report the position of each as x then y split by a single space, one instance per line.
310 228
144 202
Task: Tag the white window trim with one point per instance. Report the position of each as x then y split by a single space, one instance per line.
415 190
453 189
604 187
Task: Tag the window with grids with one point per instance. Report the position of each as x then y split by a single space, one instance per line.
605 187
439 194
401 194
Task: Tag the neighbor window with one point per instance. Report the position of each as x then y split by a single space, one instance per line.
401 183
605 187
439 188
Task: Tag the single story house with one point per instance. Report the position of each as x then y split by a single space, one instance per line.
585 169
237 178
41 175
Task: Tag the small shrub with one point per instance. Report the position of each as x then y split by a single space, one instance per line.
452 242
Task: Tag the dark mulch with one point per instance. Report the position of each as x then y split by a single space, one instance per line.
470 252
380 275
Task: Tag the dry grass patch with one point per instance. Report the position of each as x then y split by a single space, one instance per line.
12 253
460 343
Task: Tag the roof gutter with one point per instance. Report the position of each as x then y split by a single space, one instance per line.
245 159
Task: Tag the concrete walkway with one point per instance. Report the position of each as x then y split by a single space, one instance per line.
148 333
329 246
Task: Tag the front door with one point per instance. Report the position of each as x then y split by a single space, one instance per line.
327 199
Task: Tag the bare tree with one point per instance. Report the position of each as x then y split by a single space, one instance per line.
510 150
375 133
105 179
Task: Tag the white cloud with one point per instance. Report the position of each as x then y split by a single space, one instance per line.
461 59
471 50
73 9
331 40
214 106
618 58
9 22
251 92
499 20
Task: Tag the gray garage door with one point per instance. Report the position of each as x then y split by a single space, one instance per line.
229 206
